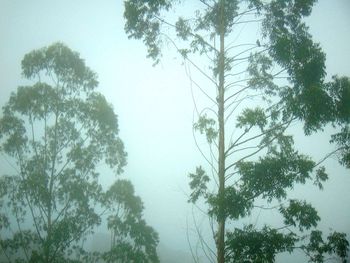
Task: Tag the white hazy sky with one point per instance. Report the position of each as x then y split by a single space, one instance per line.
154 105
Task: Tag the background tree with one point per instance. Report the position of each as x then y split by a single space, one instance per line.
56 133
266 74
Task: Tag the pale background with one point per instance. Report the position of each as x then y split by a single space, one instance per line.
154 104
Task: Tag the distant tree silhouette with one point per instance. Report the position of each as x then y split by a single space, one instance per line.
56 133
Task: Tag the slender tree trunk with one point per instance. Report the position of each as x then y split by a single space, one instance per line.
50 201
49 223
48 238
221 160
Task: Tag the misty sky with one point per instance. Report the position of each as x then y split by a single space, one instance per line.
154 104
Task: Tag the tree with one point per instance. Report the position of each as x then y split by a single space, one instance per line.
56 133
262 83
339 90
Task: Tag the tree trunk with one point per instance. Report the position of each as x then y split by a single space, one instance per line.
221 169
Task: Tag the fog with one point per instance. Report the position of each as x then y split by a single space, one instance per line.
155 107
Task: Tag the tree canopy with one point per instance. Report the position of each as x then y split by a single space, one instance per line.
263 74
56 133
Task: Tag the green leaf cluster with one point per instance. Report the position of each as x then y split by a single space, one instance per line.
261 246
271 176
207 126
336 243
198 184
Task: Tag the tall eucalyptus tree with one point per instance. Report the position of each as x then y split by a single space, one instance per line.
264 73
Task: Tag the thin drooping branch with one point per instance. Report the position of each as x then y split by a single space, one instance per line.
285 124
246 131
249 21
192 34
189 75
235 74
248 12
237 56
195 258
238 103
190 61
235 94
268 207
206 4
260 147
328 155
204 244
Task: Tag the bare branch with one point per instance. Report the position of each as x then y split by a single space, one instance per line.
260 147
192 34
206 4
203 243
195 258
188 73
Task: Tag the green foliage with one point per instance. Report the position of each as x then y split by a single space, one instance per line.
272 175
236 204
140 23
336 243
339 90
259 69
260 246
342 139
198 184
183 28
252 117
57 132
321 176
301 214
206 126
209 21
132 238
59 61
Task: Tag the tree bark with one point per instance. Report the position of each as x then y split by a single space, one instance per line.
221 160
